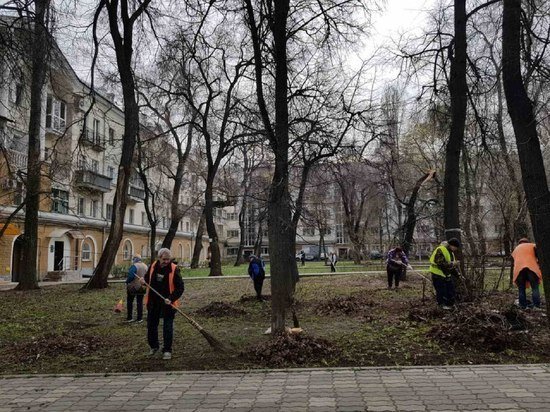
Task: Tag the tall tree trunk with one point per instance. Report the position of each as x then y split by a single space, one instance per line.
215 255
242 228
521 112
410 221
282 234
259 239
458 90
40 46
198 242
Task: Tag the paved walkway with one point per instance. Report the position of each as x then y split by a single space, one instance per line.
494 388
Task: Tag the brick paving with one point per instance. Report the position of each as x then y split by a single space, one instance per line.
450 388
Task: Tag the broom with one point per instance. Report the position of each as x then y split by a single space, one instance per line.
212 341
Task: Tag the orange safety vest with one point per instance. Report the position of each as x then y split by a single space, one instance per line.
524 257
171 285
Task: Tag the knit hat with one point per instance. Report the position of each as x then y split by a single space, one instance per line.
523 240
137 258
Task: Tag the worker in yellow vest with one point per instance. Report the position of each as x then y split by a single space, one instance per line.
443 265
526 272
164 277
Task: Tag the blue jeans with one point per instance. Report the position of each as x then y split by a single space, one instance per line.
524 276
153 320
444 290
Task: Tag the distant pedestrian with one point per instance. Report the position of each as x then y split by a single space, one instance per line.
396 263
333 261
303 257
135 289
164 277
526 272
443 266
257 272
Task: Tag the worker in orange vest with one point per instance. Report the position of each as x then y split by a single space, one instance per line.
164 277
526 272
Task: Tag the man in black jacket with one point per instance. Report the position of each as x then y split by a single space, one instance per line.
163 276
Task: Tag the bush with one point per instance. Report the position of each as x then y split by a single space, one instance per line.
120 271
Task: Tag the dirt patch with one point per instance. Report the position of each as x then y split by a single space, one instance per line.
354 305
479 327
52 345
253 298
220 309
425 313
289 350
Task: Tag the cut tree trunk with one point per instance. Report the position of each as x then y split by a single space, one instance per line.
198 243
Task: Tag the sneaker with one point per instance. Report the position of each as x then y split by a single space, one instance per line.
139 321
167 356
130 320
445 307
153 351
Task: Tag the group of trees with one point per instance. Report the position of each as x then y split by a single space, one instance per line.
267 84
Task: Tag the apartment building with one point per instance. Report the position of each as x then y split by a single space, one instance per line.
81 139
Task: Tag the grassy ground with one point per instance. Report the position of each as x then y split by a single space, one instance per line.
60 330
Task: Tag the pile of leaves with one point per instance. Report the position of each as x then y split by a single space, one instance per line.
354 304
478 327
292 350
220 309
53 345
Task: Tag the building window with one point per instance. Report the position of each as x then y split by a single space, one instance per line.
16 93
127 250
93 208
339 233
60 201
86 251
95 166
232 233
96 136
232 251
81 206
111 136
109 211
308 231
143 219
131 216
265 251
187 226
111 172
55 114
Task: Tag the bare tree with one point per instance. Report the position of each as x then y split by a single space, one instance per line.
521 112
122 17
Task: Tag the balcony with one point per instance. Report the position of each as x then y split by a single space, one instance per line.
136 192
93 140
17 159
91 180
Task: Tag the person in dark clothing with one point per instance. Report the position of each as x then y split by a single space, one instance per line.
303 257
257 272
396 263
333 261
164 276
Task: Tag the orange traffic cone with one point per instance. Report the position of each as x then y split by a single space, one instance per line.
119 306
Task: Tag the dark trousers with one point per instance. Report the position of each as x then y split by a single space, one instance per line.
393 274
130 303
333 266
153 320
527 275
444 290
258 284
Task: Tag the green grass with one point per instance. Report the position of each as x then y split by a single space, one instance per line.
59 329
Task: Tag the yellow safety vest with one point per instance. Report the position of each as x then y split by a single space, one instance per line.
434 269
